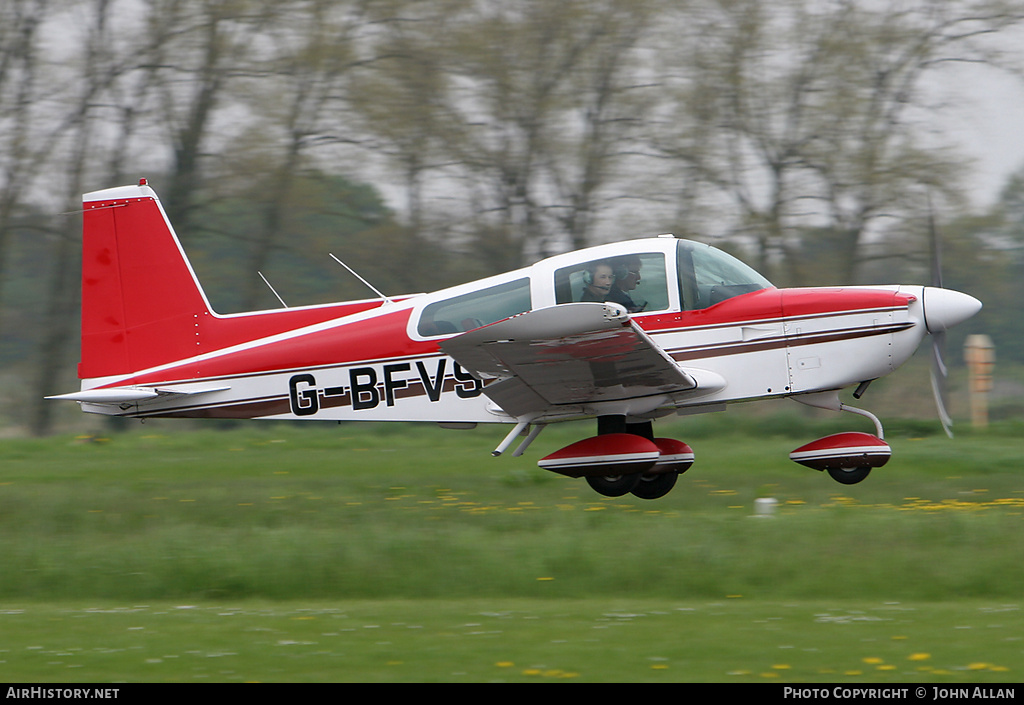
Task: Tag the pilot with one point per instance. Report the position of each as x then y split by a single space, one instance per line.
597 279
627 277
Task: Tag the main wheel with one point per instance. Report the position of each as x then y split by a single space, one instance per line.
655 486
850 476
613 485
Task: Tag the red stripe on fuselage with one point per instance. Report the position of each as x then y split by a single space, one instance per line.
375 337
771 305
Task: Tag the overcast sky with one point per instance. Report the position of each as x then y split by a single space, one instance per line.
986 114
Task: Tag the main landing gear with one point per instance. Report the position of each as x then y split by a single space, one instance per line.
623 458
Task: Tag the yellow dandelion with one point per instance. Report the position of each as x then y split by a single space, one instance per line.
770 674
919 657
886 667
504 664
545 579
781 666
659 666
977 666
872 660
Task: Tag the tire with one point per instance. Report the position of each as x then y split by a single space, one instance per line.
613 485
655 486
849 476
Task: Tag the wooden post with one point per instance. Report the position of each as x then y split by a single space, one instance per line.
981 357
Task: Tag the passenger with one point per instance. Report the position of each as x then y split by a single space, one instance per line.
627 277
597 279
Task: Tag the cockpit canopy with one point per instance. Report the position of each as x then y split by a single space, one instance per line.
644 276
644 281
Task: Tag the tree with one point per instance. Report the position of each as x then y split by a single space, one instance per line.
311 51
804 116
321 215
518 113
986 258
77 131
195 52
21 93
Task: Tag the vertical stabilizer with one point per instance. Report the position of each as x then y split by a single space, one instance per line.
141 303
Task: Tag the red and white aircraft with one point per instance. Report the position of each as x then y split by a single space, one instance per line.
624 333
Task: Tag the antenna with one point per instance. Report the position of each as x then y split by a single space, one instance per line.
353 273
274 291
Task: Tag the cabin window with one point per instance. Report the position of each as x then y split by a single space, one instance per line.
708 276
636 281
475 309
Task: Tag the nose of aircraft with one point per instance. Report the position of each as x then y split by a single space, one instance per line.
945 308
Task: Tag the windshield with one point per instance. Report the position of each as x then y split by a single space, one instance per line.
708 276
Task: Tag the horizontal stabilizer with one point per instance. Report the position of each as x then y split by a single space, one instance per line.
131 395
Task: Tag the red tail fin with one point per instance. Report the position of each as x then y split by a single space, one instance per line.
141 302
142 305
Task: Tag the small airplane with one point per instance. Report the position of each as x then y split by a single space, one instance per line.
623 333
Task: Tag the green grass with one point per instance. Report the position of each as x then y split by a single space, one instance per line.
532 640
362 552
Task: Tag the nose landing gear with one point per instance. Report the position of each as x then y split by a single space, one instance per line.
847 457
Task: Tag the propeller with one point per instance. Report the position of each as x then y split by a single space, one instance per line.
939 372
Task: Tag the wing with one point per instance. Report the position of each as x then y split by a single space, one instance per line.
566 355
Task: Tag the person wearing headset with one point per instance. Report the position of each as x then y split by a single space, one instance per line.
627 277
598 279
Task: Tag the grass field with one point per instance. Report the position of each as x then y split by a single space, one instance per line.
403 553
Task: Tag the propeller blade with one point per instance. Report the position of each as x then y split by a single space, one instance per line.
938 377
939 372
935 247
